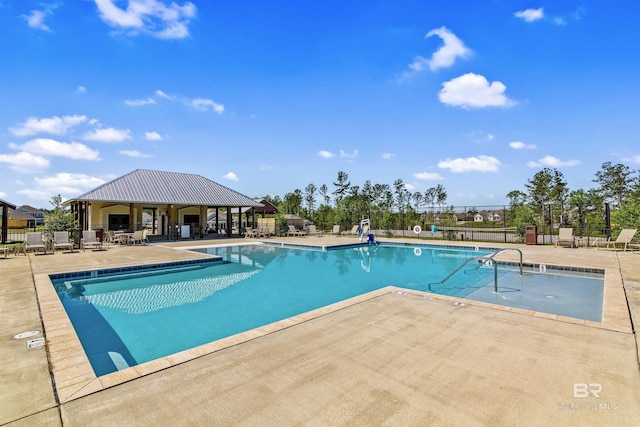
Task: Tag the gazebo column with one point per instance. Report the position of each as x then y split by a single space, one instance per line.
170 227
229 221
203 220
131 218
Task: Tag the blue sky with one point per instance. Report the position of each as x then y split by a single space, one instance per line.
268 97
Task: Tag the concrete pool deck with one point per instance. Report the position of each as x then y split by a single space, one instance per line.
385 358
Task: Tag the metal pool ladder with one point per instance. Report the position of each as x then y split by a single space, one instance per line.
483 260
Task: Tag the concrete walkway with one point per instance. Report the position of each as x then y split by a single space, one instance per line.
380 359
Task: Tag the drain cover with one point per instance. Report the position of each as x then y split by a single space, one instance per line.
26 334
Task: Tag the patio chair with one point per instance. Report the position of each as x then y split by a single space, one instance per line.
250 232
90 240
352 232
138 237
313 231
336 230
61 241
34 242
4 250
623 239
565 235
293 231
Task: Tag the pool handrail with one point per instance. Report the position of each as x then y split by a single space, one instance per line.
483 260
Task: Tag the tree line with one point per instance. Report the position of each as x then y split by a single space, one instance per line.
546 201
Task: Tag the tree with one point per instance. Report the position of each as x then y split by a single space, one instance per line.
324 193
441 196
58 219
547 187
310 198
615 181
342 185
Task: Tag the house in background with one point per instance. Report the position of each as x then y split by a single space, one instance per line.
19 219
36 214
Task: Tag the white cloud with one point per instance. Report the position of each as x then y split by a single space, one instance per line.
154 17
388 156
325 154
161 94
552 162
530 15
518 145
69 184
428 176
444 57
349 155
632 159
3 194
53 125
51 147
36 19
135 153
231 176
24 162
479 164
474 91
206 104
139 102
152 136
452 49
81 89
265 167
108 135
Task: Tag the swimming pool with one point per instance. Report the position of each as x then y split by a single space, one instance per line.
128 316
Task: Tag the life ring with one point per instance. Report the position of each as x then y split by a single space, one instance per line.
417 251
417 229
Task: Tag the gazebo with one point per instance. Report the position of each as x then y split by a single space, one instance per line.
177 203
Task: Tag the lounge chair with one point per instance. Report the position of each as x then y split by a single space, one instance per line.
293 231
264 232
336 230
623 239
352 232
313 231
4 250
90 240
565 236
61 241
35 243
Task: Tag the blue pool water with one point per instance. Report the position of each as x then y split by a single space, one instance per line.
125 317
